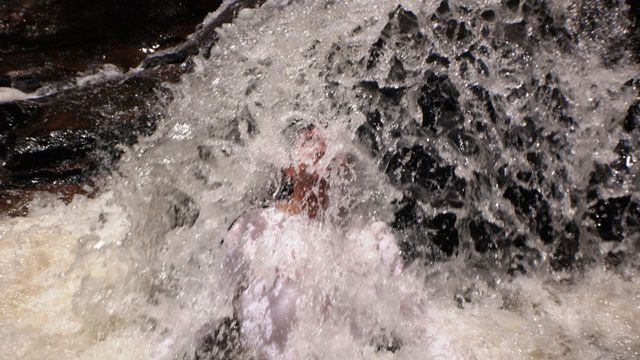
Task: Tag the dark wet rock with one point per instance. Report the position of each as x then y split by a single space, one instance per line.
239 129
408 214
608 216
416 169
66 136
463 32
438 101
205 152
369 132
488 15
633 215
407 22
601 175
516 32
533 208
183 210
512 4
485 235
614 259
13 114
126 132
483 68
3 146
616 51
55 146
632 120
425 237
402 28
549 25
375 53
60 141
439 59
223 342
464 142
445 234
392 94
536 159
483 95
517 266
5 81
503 115
51 41
568 246
386 341
522 137
450 28
485 31
634 27
397 72
176 57
467 55
549 93
414 165
443 8
374 119
524 176
623 150
517 93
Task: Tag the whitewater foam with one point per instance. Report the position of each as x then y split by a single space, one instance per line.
138 271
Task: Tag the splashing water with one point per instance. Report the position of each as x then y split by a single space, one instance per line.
142 271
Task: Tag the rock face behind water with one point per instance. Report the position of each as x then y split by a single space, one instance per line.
69 131
48 42
471 72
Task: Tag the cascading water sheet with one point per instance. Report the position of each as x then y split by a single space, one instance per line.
480 197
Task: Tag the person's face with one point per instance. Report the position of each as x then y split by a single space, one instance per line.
311 147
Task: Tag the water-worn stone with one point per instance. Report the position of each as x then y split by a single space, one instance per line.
71 36
632 120
59 141
183 210
401 28
517 137
369 132
533 208
488 15
55 146
564 255
417 169
425 237
608 216
445 234
485 235
223 342
438 101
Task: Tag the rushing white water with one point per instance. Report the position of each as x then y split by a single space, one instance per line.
138 272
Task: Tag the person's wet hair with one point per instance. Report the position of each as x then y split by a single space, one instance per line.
297 127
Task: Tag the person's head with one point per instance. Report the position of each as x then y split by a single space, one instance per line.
307 190
310 145
307 142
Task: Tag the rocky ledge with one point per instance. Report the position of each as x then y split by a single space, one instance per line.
86 78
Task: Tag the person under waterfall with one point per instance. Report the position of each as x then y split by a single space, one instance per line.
283 258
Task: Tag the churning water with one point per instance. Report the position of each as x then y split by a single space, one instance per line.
466 221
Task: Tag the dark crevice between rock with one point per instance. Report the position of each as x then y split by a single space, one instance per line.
610 217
